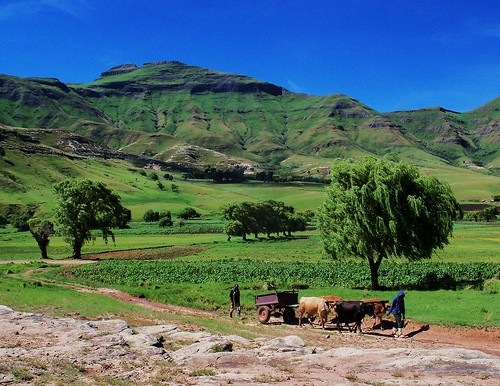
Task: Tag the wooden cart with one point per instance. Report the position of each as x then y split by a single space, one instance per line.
282 302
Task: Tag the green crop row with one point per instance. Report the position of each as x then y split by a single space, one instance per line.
421 275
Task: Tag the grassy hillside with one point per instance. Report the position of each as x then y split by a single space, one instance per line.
161 109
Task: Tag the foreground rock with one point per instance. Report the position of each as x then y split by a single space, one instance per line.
36 349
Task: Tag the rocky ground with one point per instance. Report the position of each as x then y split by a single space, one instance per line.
37 349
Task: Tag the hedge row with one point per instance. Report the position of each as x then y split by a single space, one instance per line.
422 275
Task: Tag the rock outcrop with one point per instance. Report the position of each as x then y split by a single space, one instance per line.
37 349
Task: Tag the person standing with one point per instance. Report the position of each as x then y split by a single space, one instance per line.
398 309
234 296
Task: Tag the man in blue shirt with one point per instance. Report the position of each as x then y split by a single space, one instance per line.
398 309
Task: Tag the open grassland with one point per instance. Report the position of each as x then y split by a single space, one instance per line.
28 180
470 242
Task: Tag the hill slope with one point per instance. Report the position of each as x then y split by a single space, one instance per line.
150 109
184 117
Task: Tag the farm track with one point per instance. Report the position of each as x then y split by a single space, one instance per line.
483 339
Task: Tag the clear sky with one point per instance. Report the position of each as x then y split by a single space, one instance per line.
388 54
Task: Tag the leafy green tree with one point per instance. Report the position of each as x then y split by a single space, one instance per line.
151 216
378 209
20 221
244 214
84 205
233 228
165 219
41 231
295 223
188 213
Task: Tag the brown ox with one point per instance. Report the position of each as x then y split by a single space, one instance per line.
380 308
312 306
331 298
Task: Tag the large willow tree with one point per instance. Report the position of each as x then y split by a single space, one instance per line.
379 209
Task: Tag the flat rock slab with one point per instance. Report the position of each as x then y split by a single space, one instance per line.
37 349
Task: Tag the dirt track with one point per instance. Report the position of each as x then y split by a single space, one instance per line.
37 349
486 340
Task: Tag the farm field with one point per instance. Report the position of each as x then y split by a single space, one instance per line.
471 244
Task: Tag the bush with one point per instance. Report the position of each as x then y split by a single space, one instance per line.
165 222
151 216
188 213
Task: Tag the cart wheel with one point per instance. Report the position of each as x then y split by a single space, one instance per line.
288 315
264 314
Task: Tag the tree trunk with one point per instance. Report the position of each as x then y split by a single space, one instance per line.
77 250
43 249
374 266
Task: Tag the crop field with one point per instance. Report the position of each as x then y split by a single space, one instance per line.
195 266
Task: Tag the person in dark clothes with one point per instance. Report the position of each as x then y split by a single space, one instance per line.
398 310
234 296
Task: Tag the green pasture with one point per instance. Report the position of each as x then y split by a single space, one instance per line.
470 242
38 287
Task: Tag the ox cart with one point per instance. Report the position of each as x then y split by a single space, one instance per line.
282 302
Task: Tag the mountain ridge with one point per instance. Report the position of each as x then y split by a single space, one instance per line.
245 118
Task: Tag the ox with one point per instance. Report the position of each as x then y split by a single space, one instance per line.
312 306
352 312
380 308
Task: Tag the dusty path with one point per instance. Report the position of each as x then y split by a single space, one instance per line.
486 340
38 349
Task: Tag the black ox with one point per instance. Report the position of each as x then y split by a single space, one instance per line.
352 312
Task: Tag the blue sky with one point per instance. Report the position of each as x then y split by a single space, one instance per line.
388 54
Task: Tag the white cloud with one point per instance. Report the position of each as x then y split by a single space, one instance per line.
25 8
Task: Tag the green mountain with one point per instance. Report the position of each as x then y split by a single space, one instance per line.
186 118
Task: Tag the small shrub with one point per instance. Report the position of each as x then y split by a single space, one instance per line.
188 213
492 286
151 216
165 222
202 373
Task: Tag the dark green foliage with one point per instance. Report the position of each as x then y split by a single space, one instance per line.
165 219
3 221
165 222
153 176
168 176
377 209
263 217
417 275
487 214
175 188
20 221
151 216
125 218
188 213
84 205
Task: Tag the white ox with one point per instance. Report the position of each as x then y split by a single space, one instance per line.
312 306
